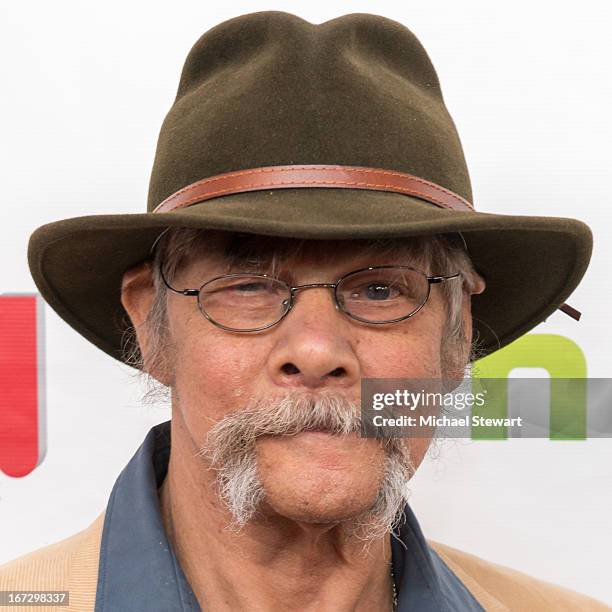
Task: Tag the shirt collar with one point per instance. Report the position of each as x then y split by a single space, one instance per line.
137 562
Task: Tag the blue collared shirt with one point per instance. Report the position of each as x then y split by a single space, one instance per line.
139 571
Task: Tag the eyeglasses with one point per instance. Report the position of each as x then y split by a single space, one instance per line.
245 302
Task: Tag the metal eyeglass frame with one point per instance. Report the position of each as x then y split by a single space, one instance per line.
431 280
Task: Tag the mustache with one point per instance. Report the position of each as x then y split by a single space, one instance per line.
287 415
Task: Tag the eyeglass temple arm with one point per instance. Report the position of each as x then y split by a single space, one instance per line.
441 279
179 291
566 308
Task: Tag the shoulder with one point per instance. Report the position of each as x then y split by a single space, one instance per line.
504 588
68 565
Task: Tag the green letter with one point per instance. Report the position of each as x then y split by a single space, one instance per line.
562 358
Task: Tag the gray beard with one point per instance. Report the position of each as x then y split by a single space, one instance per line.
230 451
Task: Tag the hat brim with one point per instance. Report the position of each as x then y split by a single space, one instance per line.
531 264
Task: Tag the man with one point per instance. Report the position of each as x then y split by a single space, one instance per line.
309 225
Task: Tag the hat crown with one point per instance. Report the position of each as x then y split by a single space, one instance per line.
271 88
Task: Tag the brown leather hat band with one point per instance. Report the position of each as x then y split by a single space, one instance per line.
279 177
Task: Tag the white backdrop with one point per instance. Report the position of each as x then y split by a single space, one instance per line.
85 88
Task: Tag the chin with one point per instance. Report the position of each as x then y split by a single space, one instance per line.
318 495
314 511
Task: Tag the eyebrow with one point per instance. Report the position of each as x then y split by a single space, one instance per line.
248 264
240 256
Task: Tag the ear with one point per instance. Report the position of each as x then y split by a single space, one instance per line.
479 284
138 292
137 297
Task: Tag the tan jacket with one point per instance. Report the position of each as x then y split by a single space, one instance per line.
72 565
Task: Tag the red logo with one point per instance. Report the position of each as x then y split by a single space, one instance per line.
22 383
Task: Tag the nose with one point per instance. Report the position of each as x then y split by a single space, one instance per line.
314 345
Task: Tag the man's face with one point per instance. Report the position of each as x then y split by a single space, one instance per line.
315 350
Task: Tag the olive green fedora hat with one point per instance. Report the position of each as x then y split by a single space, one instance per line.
336 130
